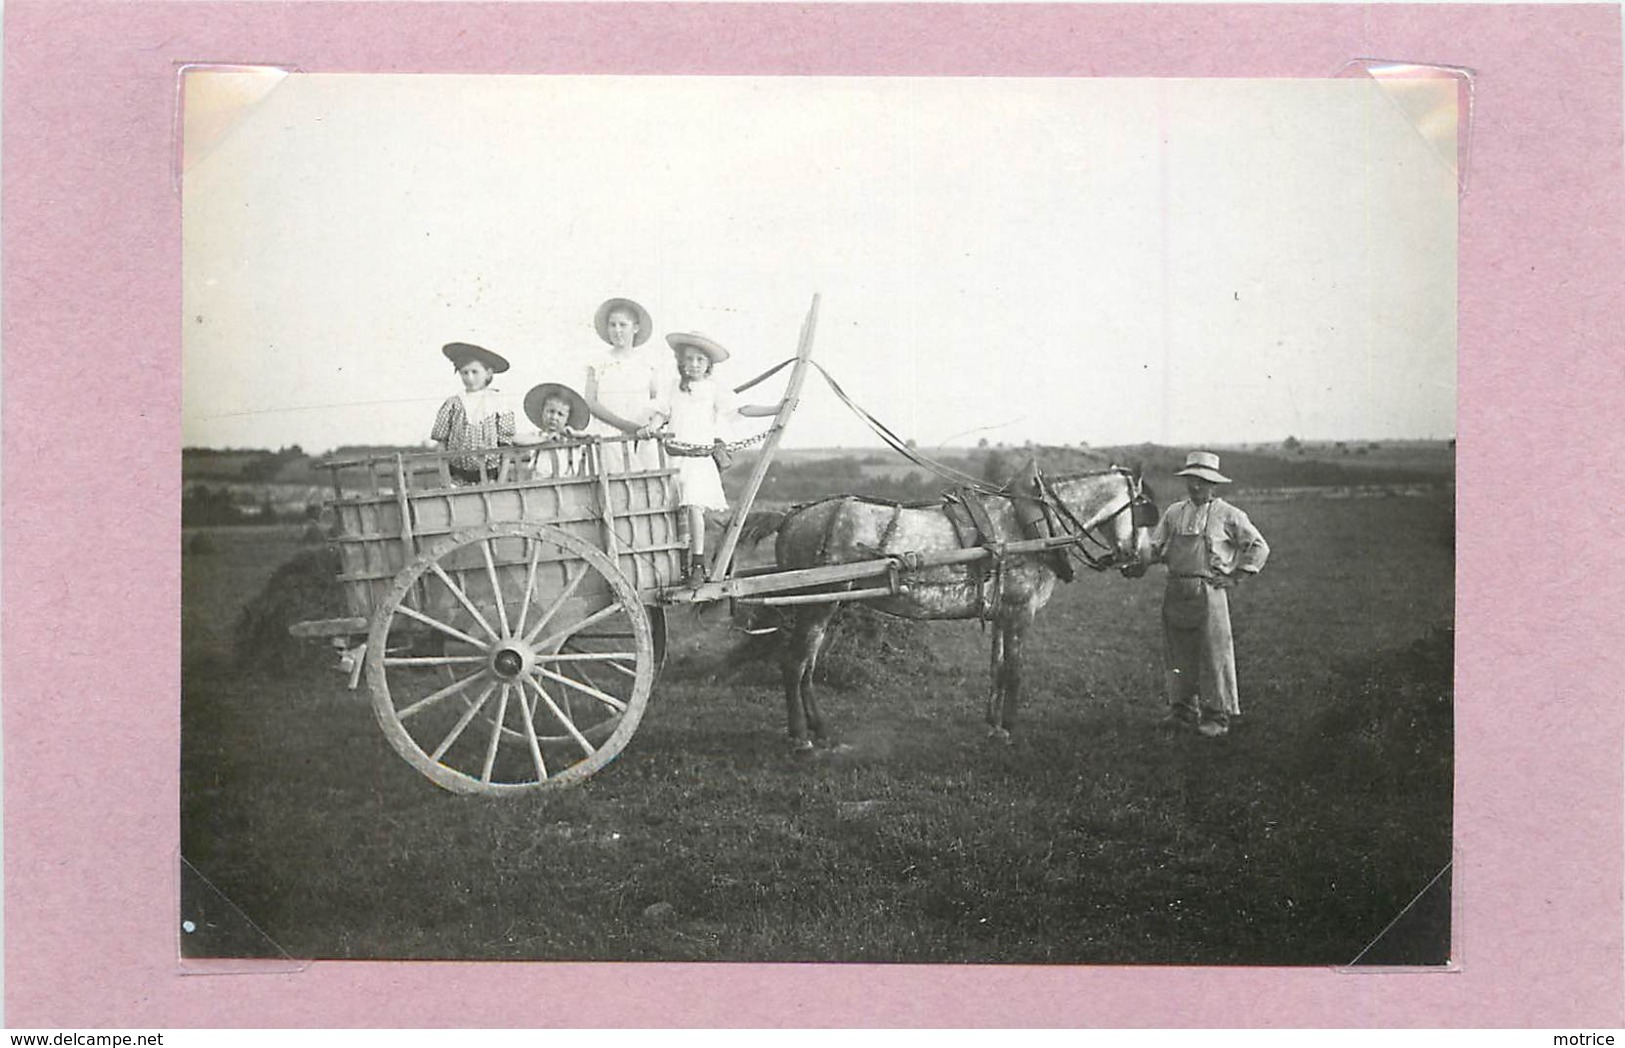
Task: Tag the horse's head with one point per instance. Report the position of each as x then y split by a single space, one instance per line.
1143 517
1112 512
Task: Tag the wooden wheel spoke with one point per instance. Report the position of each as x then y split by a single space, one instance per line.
446 692
450 631
588 656
585 676
432 660
530 586
462 598
598 616
557 602
496 733
496 586
617 666
586 689
569 725
526 713
462 722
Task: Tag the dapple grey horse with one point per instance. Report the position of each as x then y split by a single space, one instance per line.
1110 513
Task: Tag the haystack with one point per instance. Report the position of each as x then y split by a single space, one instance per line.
300 590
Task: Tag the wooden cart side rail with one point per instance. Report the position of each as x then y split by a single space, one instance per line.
373 475
383 496
429 533
429 458
625 551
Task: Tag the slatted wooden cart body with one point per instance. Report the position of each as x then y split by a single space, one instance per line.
509 630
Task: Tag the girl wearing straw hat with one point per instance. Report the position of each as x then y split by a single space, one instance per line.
1209 546
478 417
622 385
699 411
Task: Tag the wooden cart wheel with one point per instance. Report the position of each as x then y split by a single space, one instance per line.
510 657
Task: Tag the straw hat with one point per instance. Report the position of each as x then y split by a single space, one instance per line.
1203 464
460 353
682 340
600 320
540 395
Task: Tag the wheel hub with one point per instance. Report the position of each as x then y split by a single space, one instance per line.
511 660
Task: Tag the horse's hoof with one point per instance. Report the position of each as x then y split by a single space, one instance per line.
999 735
801 748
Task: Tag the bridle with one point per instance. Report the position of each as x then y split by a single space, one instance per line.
1138 505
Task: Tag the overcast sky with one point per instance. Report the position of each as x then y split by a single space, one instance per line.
1060 260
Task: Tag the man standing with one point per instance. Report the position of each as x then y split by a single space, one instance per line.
1210 547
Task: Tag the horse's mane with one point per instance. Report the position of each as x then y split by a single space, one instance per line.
1145 485
1085 473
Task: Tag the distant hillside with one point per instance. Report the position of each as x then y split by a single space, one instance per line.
1306 466
804 474
287 466
291 484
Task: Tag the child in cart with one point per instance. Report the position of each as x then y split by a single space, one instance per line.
561 416
477 418
622 386
697 411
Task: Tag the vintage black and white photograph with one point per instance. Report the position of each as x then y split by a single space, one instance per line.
808 519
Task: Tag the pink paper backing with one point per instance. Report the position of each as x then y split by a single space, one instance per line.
91 557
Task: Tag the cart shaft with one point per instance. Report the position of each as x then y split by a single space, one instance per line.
835 574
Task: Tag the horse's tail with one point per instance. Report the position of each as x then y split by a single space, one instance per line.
760 524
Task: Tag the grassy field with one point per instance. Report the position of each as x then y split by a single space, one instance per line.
1098 837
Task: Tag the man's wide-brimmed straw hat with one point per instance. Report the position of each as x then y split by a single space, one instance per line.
685 339
1204 464
600 320
540 395
460 353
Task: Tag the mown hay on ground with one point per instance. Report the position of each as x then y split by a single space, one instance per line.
861 643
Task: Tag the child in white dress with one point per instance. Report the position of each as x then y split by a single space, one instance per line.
478 417
622 386
697 410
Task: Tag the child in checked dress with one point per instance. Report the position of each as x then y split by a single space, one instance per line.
478 417
699 411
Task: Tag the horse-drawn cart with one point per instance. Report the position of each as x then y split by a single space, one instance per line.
511 630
